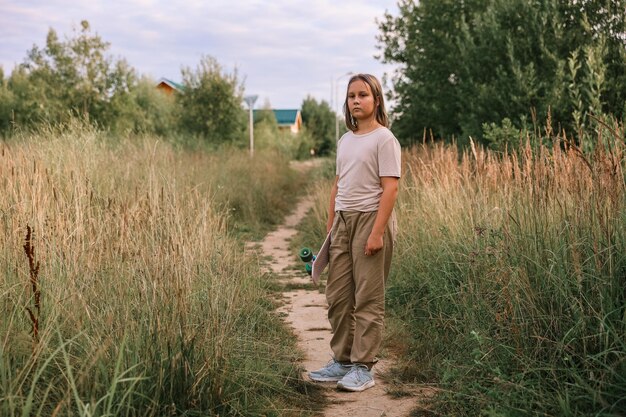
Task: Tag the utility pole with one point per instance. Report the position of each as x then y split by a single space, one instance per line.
250 101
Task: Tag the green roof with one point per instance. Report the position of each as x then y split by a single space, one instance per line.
286 116
283 116
172 84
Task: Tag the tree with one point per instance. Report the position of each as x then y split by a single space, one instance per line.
145 110
70 77
510 65
319 121
595 50
422 38
6 104
265 116
467 64
210 105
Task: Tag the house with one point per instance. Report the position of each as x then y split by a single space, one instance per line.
287 119
169 86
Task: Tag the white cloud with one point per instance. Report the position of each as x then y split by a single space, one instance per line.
285 49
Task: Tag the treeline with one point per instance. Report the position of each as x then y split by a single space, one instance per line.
75 78
489 69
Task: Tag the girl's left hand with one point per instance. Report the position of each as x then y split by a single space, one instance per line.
373 245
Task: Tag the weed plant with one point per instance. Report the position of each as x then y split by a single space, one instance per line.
130 297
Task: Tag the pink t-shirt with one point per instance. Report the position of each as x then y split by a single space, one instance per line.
361 161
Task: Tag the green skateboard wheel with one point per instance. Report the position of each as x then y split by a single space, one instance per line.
306 255
308 268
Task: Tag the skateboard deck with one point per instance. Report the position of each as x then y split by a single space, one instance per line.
321 261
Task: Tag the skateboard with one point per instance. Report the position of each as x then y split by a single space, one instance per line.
315 264
306 256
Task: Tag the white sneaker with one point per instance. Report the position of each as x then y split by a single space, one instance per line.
332 372
359 378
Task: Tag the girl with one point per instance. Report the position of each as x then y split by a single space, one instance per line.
362 224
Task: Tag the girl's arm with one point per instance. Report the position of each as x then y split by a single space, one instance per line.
387 201
331 208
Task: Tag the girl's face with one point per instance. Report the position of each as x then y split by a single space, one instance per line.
361 102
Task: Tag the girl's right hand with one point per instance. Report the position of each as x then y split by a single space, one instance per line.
331 208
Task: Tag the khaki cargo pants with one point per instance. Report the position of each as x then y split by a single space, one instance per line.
355 289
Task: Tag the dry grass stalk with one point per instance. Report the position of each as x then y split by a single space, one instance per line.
133 241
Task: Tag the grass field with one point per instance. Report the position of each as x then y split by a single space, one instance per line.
125 289
508 288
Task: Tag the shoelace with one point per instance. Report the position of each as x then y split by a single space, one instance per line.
359 371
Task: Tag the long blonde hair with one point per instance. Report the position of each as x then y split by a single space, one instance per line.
377 92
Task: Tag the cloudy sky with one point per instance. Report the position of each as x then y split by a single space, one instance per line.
284 49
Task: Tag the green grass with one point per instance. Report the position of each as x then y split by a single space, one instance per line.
148 304
510 273
508 283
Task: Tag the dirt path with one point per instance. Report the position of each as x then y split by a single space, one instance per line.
305 311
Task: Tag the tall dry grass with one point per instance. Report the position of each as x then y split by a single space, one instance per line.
147 305
511 276
508 289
